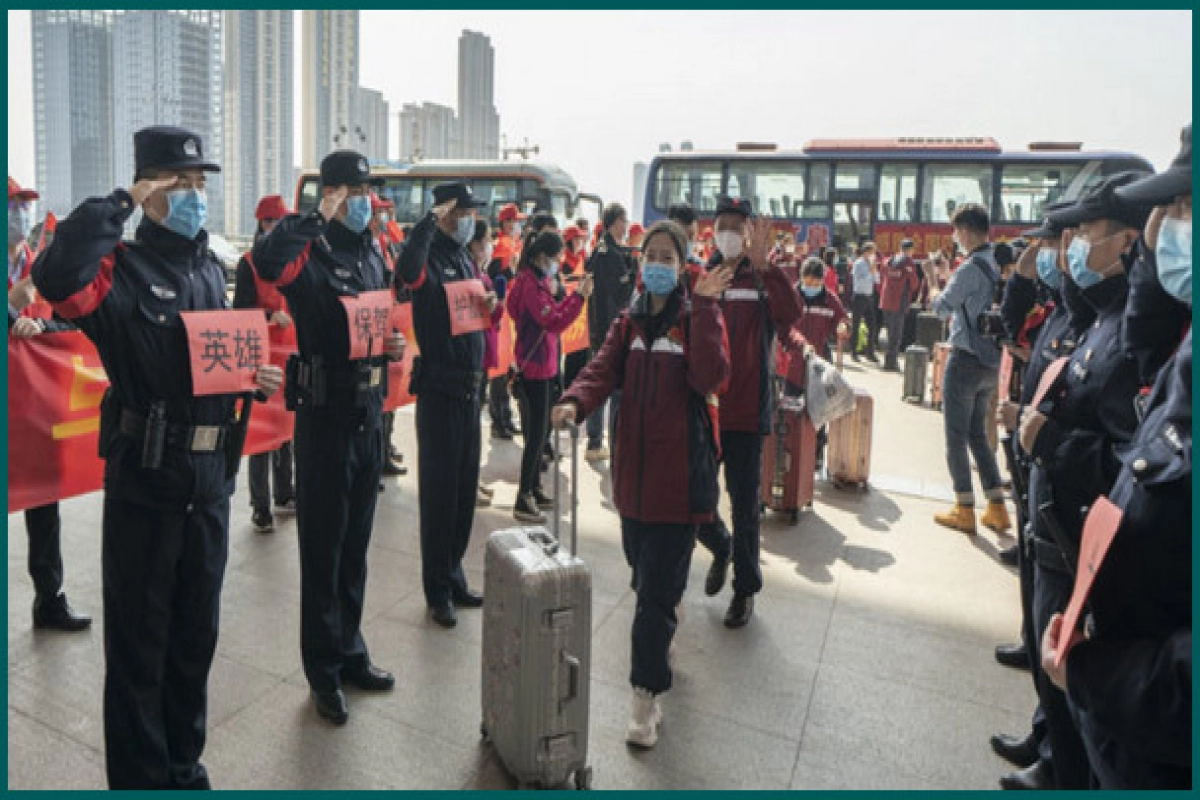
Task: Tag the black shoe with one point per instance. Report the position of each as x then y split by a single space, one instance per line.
392 469
1038 776
444 615
56 614
262 522
370 678
854 357
1013 655
1008 556
542 500
513 430
332 706
874 359
467 599
1018 752
287 507
740 610
382 487
501 433
526 510
715 581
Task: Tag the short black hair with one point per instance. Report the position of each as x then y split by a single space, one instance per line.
542 220
482 230
813 268
830 255
681 213
1003 253
612 213
973 217
547 243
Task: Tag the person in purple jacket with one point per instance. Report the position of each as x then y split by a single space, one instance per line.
539 319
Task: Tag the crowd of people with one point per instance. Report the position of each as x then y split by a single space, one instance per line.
686 327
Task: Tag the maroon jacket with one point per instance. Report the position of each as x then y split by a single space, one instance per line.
899 281
539 319
665 458
746 401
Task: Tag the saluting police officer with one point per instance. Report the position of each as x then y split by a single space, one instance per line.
1074 435
446 380
316 260
171 457
1130 681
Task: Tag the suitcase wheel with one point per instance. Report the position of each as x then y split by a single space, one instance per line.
583 779
483 732
794 516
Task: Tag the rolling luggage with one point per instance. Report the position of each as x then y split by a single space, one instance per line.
790 460
916 369
941 354
930 330
910 326
537 638
849 458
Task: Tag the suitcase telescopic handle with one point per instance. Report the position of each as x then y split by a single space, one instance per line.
573 430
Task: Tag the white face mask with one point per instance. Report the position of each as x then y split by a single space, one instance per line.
729 243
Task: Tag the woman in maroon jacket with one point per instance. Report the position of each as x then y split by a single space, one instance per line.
668 353
539 319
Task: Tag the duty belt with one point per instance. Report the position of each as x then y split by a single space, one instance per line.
1047 555
192 438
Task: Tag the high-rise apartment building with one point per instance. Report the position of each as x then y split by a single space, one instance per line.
428 130
371 131
331 42
479 124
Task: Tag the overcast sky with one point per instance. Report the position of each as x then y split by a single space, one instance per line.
598 91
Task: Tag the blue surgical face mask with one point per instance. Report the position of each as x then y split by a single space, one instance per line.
1047 267
811 291
660 279
551 267
465 229
1077 259
1173 252
187 211
358 213
20 222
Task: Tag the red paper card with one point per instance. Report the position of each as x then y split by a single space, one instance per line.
367 318
1098 531
468 309
1049 377
226 347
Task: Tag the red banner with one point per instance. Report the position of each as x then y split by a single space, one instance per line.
227 347
575 338
399 372
469 310
506 338
367 319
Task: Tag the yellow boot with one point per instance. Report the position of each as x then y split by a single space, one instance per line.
959 518
996 517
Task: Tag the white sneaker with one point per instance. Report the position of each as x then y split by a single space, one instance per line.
644 720
596 454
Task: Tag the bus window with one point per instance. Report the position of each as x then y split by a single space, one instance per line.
817 206
494 192
309 195
1026 189
776 188
948 186
854 178
694 183
898 193
406 193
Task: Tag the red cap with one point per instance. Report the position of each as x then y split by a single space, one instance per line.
635 229
510 213
271 207
15 192
378 203
571 233
706 234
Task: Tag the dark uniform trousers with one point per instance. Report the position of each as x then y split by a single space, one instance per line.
499 407
338 464
660 556
266 468
448 451
741 453
163 571
44 529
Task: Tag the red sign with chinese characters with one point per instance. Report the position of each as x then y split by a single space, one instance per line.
469 310
227 348
367 319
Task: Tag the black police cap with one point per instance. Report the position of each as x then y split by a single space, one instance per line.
1102 202
166 147
1172 182
734 205
347 168
459 192
906 244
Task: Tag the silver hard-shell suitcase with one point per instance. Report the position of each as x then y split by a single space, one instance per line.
537 647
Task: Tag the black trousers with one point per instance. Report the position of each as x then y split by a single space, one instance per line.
1052 592
895 326
535 422
660 556
389 425
337 477
43 526
162 589
573 364
264 467
499 408
742 457
862 309
448 445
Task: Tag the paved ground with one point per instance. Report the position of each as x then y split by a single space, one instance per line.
868 663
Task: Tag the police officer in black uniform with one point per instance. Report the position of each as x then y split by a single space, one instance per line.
317 259
446 380
1130 681
1074 435
171 458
